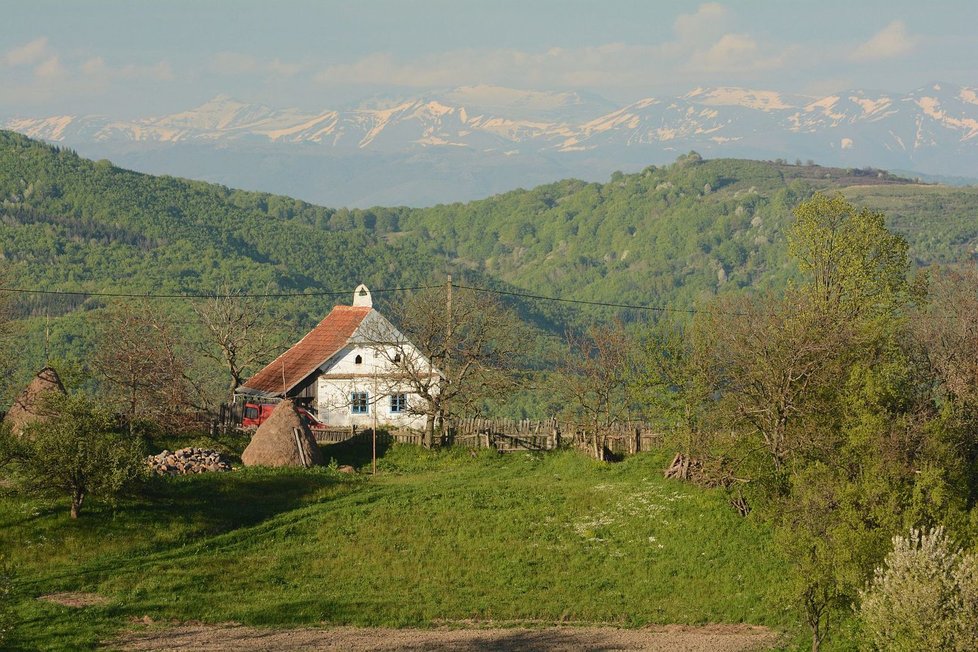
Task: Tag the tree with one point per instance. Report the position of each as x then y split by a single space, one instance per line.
673 380
923 597
458 349
774 364
593 376
142 365
79 452
854 264
947 327
239 334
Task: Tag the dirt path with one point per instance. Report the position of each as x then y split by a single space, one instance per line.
708 638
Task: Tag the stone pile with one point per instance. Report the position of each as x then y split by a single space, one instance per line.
186 461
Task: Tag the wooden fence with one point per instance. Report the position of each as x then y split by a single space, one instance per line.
500 434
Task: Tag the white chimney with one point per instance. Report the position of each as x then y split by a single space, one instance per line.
361 297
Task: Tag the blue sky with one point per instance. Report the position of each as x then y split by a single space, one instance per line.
128 58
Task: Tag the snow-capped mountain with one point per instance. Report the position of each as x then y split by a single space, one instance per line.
472 141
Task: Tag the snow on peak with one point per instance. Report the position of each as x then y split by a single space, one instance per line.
730 96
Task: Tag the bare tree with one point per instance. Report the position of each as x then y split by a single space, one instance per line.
947 328
593 376
774 360
457 350
141 363
239 334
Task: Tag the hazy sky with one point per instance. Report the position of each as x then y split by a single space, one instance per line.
127 58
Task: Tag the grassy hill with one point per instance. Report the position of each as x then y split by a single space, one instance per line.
437 536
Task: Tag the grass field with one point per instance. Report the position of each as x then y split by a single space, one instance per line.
435 537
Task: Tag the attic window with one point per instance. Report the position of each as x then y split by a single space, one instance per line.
397 357
358 360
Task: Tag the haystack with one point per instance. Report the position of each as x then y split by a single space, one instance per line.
282 440
28 407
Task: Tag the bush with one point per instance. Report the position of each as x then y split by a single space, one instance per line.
924 597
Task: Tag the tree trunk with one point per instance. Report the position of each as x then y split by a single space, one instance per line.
429 431
77 498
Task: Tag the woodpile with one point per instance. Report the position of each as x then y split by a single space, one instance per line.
187 461
683 467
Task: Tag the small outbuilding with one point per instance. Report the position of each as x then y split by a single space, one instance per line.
28 407
282 440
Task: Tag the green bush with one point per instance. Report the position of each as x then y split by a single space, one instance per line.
924 597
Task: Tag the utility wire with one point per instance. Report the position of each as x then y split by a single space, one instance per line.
241 295
333 293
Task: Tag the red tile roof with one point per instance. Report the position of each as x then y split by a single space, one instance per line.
320 344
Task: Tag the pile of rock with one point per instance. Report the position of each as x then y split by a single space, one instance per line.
186 461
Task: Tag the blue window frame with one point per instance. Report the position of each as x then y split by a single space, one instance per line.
398 403
360 403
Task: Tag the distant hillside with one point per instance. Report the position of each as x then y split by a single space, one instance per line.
667 236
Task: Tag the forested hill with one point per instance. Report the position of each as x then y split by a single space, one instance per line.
666 236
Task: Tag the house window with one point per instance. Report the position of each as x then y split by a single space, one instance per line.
359 402
397 358
358 360
398 403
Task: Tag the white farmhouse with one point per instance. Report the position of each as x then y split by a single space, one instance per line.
349 370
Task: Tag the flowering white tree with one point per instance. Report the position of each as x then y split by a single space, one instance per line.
925 597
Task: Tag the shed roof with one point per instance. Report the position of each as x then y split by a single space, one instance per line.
318 346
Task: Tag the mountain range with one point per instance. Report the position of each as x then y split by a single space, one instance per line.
474 141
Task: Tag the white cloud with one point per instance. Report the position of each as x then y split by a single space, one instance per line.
238 63
27 54
53 75
708 23
890 42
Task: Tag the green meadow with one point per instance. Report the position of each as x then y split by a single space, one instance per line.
435 538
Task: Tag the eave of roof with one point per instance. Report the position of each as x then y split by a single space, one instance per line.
306 355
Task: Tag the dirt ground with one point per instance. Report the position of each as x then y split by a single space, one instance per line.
74 599
707 638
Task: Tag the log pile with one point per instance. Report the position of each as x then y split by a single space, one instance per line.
186 461
683 467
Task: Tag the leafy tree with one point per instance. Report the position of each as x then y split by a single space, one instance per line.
79 452
853 263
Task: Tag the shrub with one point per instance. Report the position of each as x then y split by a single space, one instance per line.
924 597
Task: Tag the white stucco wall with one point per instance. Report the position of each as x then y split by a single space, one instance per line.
342 376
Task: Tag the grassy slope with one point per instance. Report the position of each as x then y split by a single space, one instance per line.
436 536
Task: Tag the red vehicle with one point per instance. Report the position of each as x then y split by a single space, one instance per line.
256 413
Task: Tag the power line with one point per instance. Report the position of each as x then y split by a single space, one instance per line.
334 293
241 295
604 304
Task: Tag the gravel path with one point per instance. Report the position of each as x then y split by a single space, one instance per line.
708 638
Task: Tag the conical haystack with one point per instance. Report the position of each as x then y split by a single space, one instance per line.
28 407
282 440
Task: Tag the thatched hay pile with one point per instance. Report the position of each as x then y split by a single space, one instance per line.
28 407
282 440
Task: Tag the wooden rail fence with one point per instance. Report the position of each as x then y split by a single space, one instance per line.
501 434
